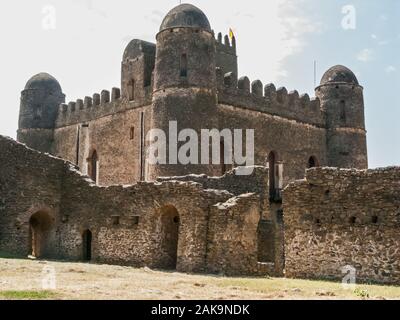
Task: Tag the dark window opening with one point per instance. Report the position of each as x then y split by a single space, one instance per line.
353 220
131 90
184 66
93 166
222 158
375 219
273 176
312 162
132 133
342 110
115 220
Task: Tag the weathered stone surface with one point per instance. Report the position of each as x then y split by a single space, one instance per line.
336 218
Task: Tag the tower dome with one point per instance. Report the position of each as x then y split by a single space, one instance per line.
137 47
43 81
339 74
187 16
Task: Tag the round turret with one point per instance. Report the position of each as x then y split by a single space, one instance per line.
185 83
40 102
342 101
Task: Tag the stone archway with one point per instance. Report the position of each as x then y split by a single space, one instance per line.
40 226
170 222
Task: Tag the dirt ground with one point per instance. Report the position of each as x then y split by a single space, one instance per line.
27 279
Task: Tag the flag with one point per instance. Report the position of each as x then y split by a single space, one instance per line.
231 34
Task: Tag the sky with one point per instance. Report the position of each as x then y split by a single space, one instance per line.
81 42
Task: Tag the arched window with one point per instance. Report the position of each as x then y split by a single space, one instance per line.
313 162
93 166
131 90
184 66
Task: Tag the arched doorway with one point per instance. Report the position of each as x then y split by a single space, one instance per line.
93 166
170 222
312 162
40 225
87 245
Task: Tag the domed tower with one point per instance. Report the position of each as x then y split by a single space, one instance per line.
137 69
40 101
184 81
343 103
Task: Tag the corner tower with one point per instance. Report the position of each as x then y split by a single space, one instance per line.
40 101
184 81
342 101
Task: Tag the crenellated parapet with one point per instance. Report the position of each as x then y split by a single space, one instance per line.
225 44
97 106
268 99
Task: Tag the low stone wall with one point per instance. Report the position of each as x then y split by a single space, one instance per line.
172 224
336 218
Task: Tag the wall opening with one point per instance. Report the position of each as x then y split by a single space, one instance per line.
343 111
87 245
170 222
94 159
131 133
131 90
40 225
274 176
313 162
222 158
266 241
184 65
142 148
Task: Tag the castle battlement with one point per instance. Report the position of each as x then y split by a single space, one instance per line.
99 105
268 99
225 44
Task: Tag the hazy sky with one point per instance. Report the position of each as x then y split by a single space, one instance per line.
81 43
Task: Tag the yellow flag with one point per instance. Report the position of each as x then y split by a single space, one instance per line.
231 34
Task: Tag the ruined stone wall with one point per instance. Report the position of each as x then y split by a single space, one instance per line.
336 218
127 223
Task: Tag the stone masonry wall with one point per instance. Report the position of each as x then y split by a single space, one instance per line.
127 223
336 218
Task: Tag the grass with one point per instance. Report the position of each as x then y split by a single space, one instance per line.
27 295
21 280
297 288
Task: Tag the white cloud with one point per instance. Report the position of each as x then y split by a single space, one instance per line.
365 55
374 36
390 69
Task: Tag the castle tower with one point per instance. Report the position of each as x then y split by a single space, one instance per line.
137 69
184 81
343 103
40 101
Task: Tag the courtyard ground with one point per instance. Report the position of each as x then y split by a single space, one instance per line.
24 279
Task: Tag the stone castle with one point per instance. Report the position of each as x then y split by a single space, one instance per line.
81 187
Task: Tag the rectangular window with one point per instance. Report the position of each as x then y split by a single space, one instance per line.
132 133
184 65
